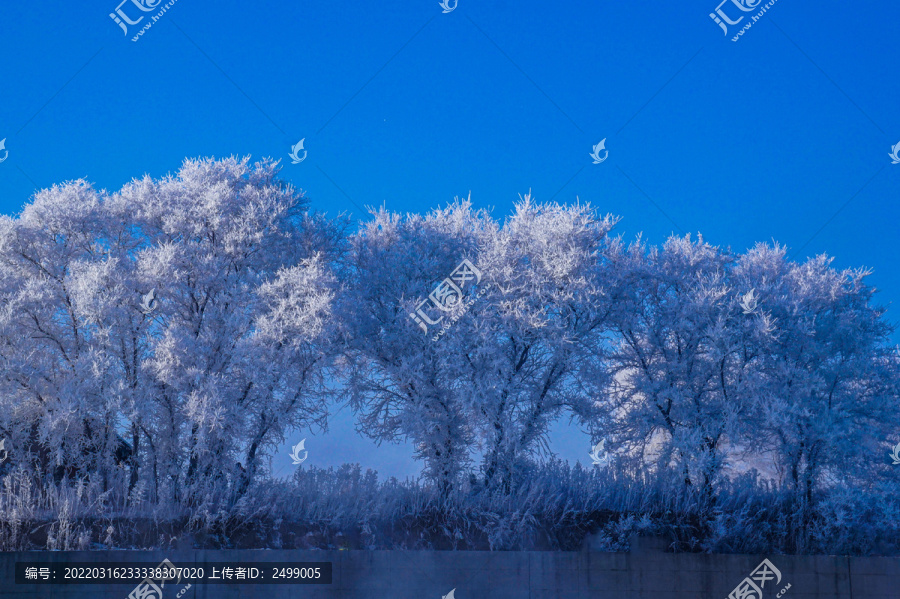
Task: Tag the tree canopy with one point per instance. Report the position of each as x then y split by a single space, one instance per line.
159 342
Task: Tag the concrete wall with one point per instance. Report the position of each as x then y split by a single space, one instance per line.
495 575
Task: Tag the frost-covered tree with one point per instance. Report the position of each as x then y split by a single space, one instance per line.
61 390
722 358
521 348
241 302
675 391
404 384
180 321
826 390
506 367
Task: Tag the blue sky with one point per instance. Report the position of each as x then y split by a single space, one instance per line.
783 135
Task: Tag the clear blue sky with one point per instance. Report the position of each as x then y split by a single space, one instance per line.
783 135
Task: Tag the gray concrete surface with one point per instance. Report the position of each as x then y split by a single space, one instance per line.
494 575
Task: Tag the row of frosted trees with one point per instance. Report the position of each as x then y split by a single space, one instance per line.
160 342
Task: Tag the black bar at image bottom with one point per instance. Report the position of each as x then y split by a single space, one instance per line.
42 573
